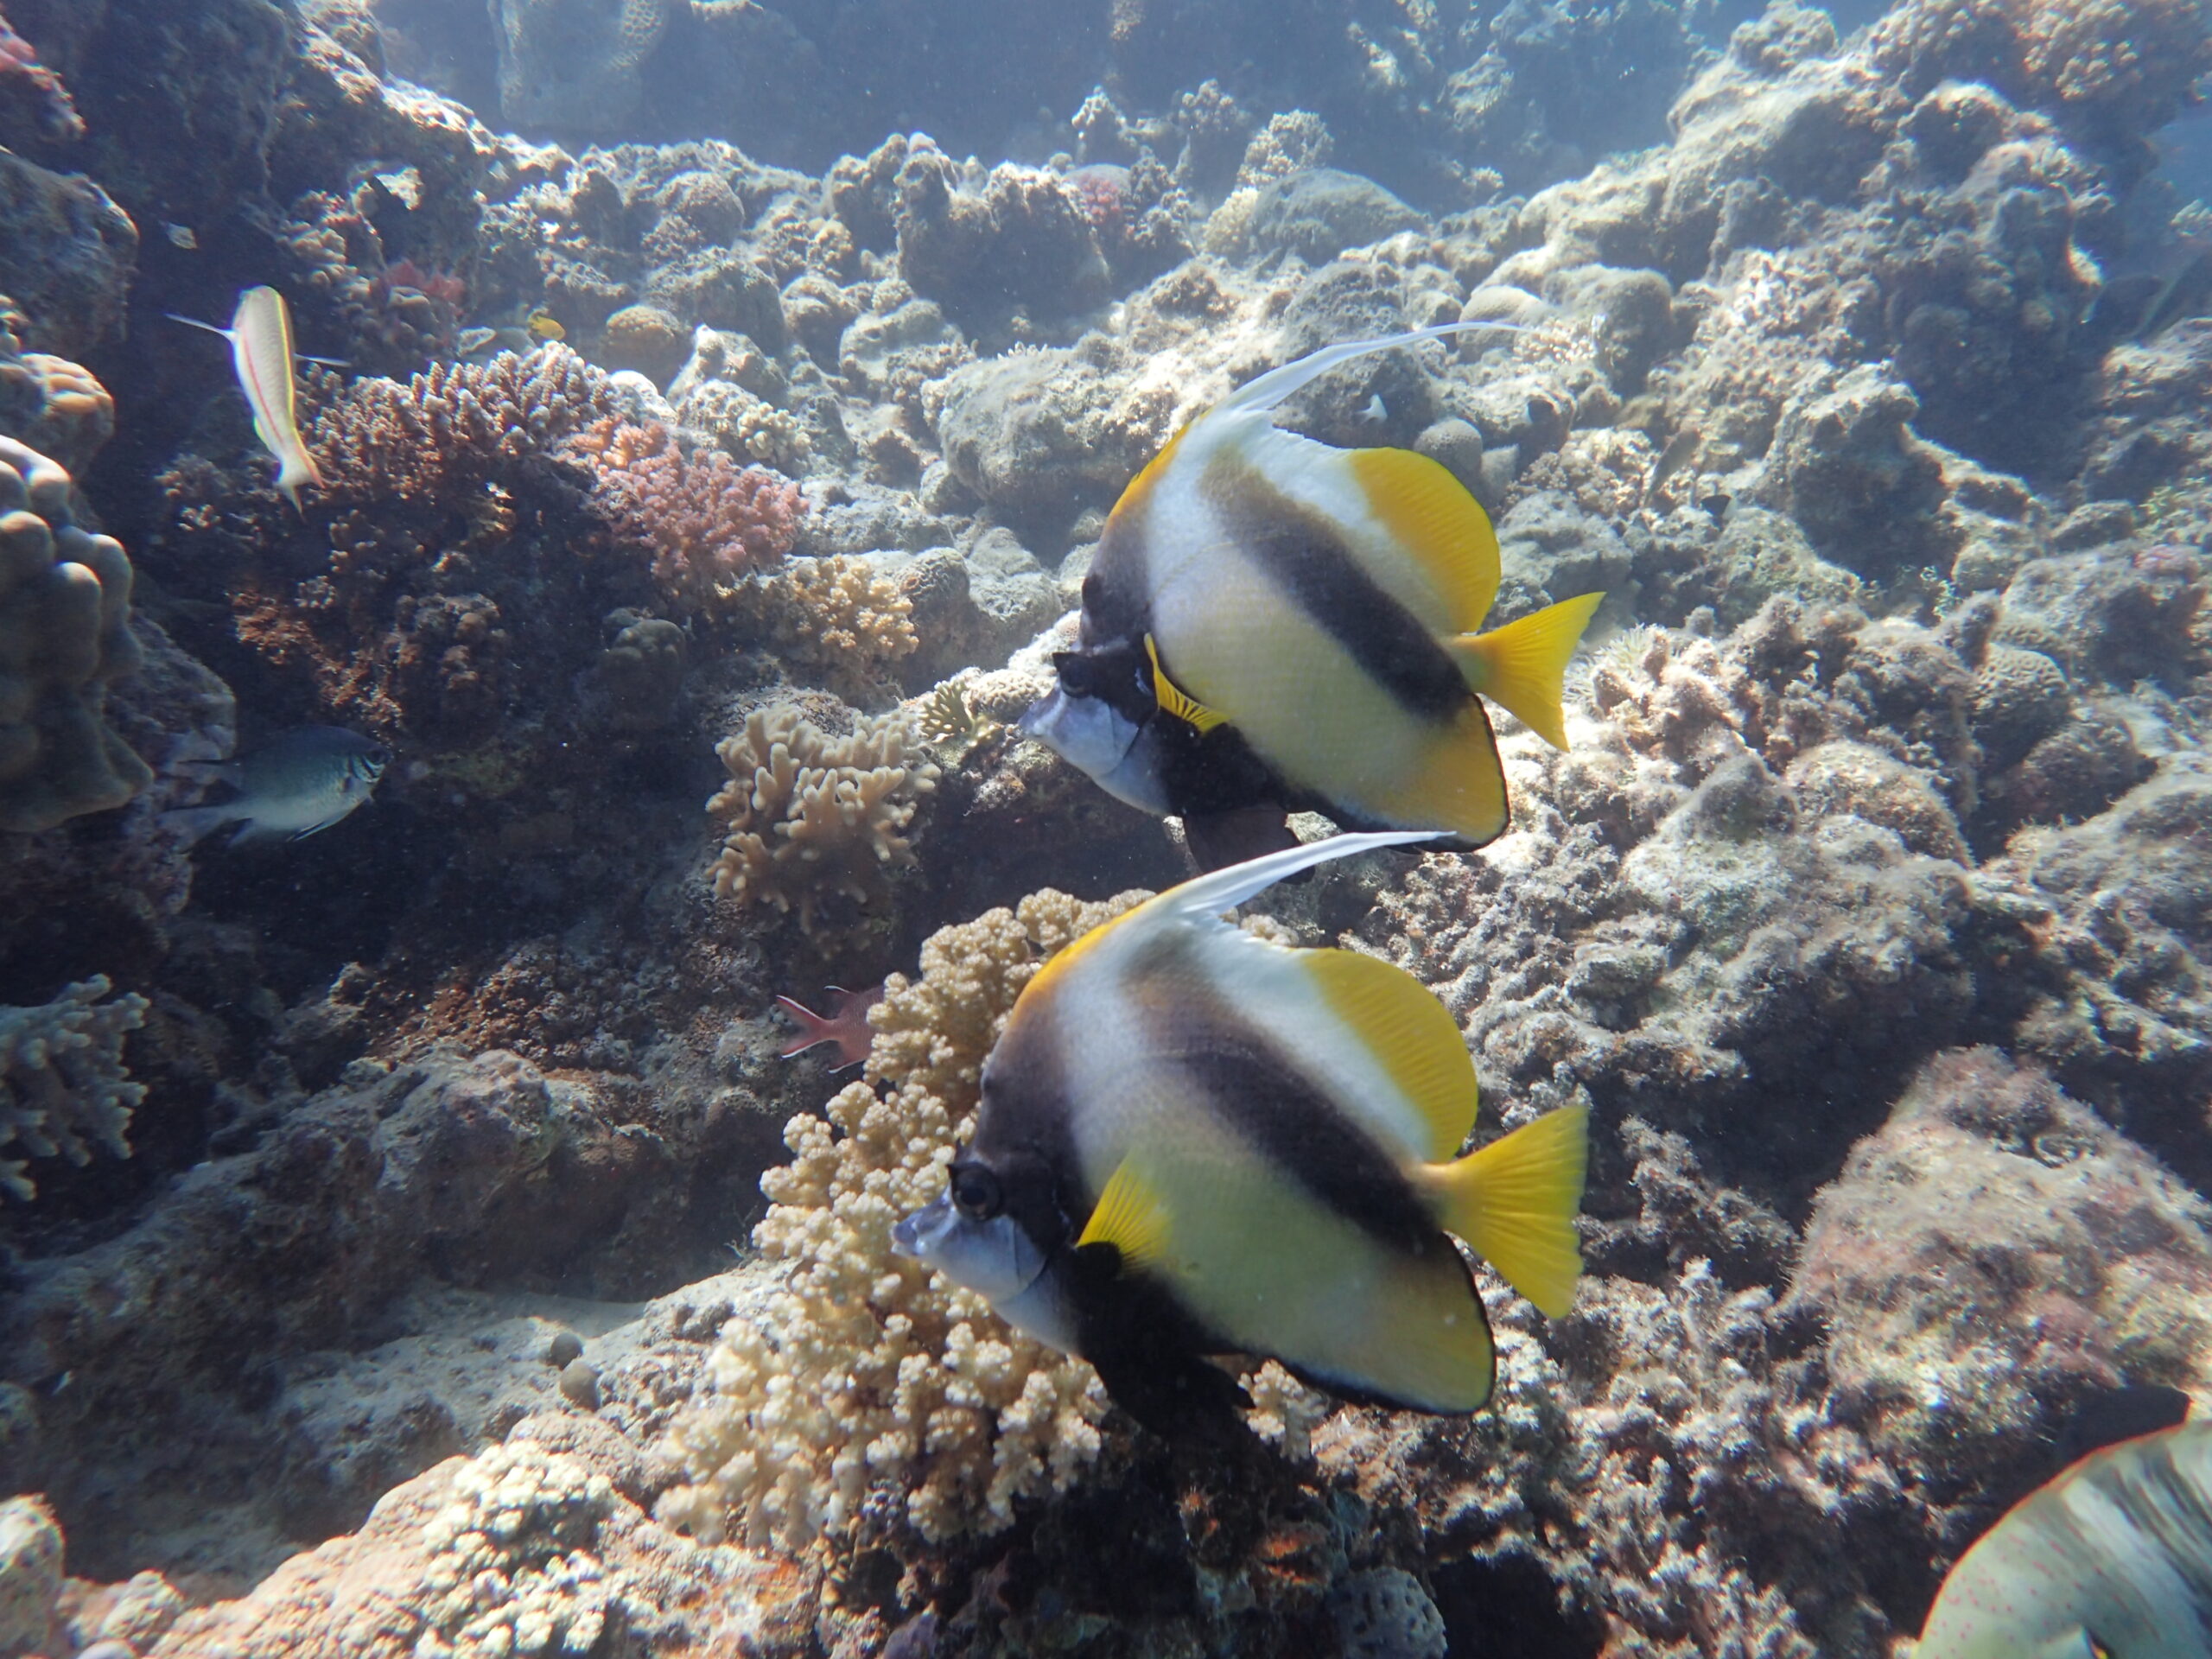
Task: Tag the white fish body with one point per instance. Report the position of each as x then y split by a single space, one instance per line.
1269 1139
2110 1560
262 351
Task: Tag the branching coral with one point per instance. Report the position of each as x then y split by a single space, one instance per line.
64 633
831 620
812 817
867 1373
452 426
63 1090
710 522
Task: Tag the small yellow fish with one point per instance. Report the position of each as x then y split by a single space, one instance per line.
261 350
1195 1141
544 325
1274 625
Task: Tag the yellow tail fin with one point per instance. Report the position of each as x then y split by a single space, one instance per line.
1514 1201
1523 665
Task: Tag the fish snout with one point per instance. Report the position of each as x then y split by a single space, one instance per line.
916 1235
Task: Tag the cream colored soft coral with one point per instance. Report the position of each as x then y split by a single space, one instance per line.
810 815
867 1373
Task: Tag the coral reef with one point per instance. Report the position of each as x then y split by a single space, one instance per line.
1865 911
65 635
537 1546
709 523
814 819
861 1372
63 1088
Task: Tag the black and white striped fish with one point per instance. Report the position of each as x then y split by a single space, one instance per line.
1194 1141
2111 1560
1272 624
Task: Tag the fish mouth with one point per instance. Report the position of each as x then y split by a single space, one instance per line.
915 1236
1119 755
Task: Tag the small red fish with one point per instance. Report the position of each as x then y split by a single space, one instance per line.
848 1027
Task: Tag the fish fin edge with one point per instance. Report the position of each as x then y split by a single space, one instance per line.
1410 1034
1131 1217
1514 1201
1173 700
1522 667
1430 514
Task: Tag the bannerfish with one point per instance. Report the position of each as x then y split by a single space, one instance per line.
304 780
543 327
2110 1560
1194 1141
261 347
1273 624
847 1028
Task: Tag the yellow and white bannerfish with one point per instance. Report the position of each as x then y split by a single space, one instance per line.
1272 624
1194 1141
2110 1560
261 350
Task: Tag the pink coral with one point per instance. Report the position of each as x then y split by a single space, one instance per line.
709 522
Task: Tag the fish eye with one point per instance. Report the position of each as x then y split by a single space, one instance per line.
975 1193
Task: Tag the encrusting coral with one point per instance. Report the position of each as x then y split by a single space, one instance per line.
64 633
812 817
63 1088
864 1372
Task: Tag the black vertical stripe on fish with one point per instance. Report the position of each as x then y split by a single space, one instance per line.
1024 1129
1259 1091
1301 549
1146 1348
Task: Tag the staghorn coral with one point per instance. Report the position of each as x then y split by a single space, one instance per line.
710 522
63 1090
811 816
864 1372
65 634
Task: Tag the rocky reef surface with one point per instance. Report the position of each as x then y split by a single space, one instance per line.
704 491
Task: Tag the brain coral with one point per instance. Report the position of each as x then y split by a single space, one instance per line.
811 816
64 633
869 1373
63 1090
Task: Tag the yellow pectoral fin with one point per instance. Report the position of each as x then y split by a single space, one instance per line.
1438 525
1132 1217
1523 665
1410 1034
1175 700
1515 1202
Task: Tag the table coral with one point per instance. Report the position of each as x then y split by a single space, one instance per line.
708 522
812 817
866 1372
63 1088
65 634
